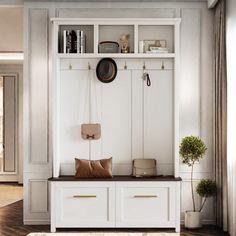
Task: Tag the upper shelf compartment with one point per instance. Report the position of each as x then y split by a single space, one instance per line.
118 38
156 39
118 34
76 39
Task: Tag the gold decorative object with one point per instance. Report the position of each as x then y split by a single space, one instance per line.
162 65
125 43
125 66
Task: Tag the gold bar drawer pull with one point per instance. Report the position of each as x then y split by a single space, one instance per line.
145 196
84 196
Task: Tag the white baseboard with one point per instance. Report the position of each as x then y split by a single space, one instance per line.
36 222
46 222
204 222
8 178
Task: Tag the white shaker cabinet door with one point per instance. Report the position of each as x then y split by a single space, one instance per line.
145 204
84 204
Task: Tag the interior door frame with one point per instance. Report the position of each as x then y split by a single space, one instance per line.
13 176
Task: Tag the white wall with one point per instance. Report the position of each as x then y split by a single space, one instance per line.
11 27
196 89
231 97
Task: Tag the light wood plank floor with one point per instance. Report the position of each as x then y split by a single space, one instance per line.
11 224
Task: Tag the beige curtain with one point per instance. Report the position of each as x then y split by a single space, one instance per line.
220 115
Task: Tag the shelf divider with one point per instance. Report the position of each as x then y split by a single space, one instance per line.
136 38
96 38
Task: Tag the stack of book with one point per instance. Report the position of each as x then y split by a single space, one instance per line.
74 41
158 50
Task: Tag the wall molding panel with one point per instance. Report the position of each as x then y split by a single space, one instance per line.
37 161
190 47
36 198
35 186
38 79
11 123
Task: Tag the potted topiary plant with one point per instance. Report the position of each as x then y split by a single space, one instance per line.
192 150
206 188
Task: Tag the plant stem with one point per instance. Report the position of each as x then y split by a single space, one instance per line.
203 204
194 209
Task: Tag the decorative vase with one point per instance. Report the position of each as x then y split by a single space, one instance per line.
192 219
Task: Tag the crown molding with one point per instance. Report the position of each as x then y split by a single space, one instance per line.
21 2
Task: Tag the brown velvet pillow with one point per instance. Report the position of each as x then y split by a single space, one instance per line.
93 168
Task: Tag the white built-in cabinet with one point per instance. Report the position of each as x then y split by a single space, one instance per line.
137 121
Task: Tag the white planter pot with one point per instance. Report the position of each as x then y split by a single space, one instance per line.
192 219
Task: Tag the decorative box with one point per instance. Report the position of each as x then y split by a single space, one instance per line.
108 47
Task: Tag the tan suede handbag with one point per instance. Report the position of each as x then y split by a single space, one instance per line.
91 131
144 168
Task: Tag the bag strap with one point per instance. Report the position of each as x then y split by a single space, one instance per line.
96 97
88 96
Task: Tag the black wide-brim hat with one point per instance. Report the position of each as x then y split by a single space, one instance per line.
106 70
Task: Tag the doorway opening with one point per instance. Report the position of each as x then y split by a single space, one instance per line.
8 128
11 191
